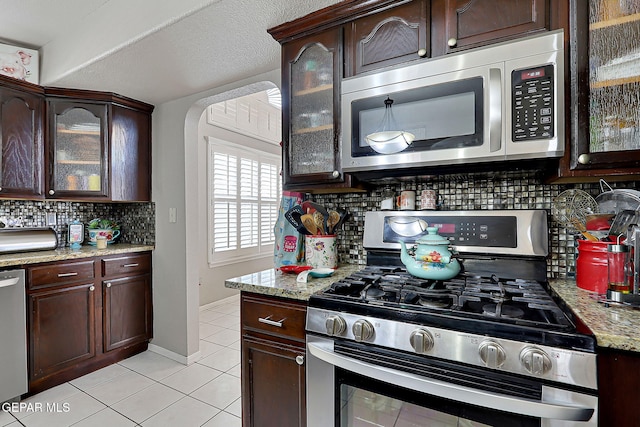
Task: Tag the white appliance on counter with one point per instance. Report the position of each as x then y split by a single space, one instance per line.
13 335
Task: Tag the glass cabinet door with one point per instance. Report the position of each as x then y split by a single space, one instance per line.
614 78
311 140
311 147
78 150
611 69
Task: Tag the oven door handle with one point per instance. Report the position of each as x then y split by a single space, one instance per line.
534 408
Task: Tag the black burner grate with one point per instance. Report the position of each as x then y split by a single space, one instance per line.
522 302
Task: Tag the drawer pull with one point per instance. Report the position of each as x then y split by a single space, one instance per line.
67 274
267 320
300 360
92 288
131 265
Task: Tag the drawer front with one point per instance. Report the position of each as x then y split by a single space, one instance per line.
126 265
62 272
274 316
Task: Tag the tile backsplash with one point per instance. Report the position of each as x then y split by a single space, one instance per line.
137 220
483 191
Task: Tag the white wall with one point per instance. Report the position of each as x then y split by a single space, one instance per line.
175 185
212 279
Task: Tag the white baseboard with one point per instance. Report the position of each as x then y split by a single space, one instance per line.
185 360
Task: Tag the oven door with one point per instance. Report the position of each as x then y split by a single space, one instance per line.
350 384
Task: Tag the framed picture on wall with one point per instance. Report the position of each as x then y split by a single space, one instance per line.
19 63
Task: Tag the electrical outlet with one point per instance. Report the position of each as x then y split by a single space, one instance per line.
51 218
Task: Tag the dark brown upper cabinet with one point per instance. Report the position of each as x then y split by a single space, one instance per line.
99 146
21 136
389 37
605 91
311 109
78 156
73 144
465 24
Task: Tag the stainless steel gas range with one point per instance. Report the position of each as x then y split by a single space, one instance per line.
489 347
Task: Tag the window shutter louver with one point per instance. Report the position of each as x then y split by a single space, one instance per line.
244 189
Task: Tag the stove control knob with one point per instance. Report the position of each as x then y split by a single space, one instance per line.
535 361
362 330
492 354
421 340
335 325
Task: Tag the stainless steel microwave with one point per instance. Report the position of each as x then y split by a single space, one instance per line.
497 103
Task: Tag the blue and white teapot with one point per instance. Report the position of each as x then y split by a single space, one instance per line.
433 259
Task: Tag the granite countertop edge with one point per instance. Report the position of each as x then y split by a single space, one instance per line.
275 283
614 327
61 254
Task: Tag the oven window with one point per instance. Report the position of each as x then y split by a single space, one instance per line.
446 115
366 408
365 402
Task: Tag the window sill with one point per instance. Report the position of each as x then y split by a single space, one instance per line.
238 260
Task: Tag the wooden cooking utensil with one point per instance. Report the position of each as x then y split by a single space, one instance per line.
582 229
318 218
309 223
333 219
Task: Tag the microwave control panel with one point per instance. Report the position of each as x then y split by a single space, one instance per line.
532 105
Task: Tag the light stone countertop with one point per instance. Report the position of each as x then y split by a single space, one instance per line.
613 326
275 283
86 251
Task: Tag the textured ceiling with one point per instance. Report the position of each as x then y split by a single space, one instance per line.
152 50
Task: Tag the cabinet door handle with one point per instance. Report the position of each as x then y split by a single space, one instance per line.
267 320
131 265
92 288
67 274
108 284
452 42
51 192
300 360
422 52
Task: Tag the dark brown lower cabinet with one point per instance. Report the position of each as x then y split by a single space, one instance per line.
273 362
86 314
126 311
618 388
62 328
276 383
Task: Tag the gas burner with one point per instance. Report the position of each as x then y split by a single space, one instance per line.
499 310
372 292
433 303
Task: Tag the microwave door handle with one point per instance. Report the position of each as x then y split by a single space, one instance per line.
548 410
495 109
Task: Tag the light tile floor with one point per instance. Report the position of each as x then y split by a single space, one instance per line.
150 390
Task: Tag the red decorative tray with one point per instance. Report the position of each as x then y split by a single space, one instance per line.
295 269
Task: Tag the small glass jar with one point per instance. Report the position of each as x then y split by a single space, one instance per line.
101 242
388 199
618 268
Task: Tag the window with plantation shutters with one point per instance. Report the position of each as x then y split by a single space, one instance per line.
244 191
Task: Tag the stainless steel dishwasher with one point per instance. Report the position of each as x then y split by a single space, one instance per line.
13 335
